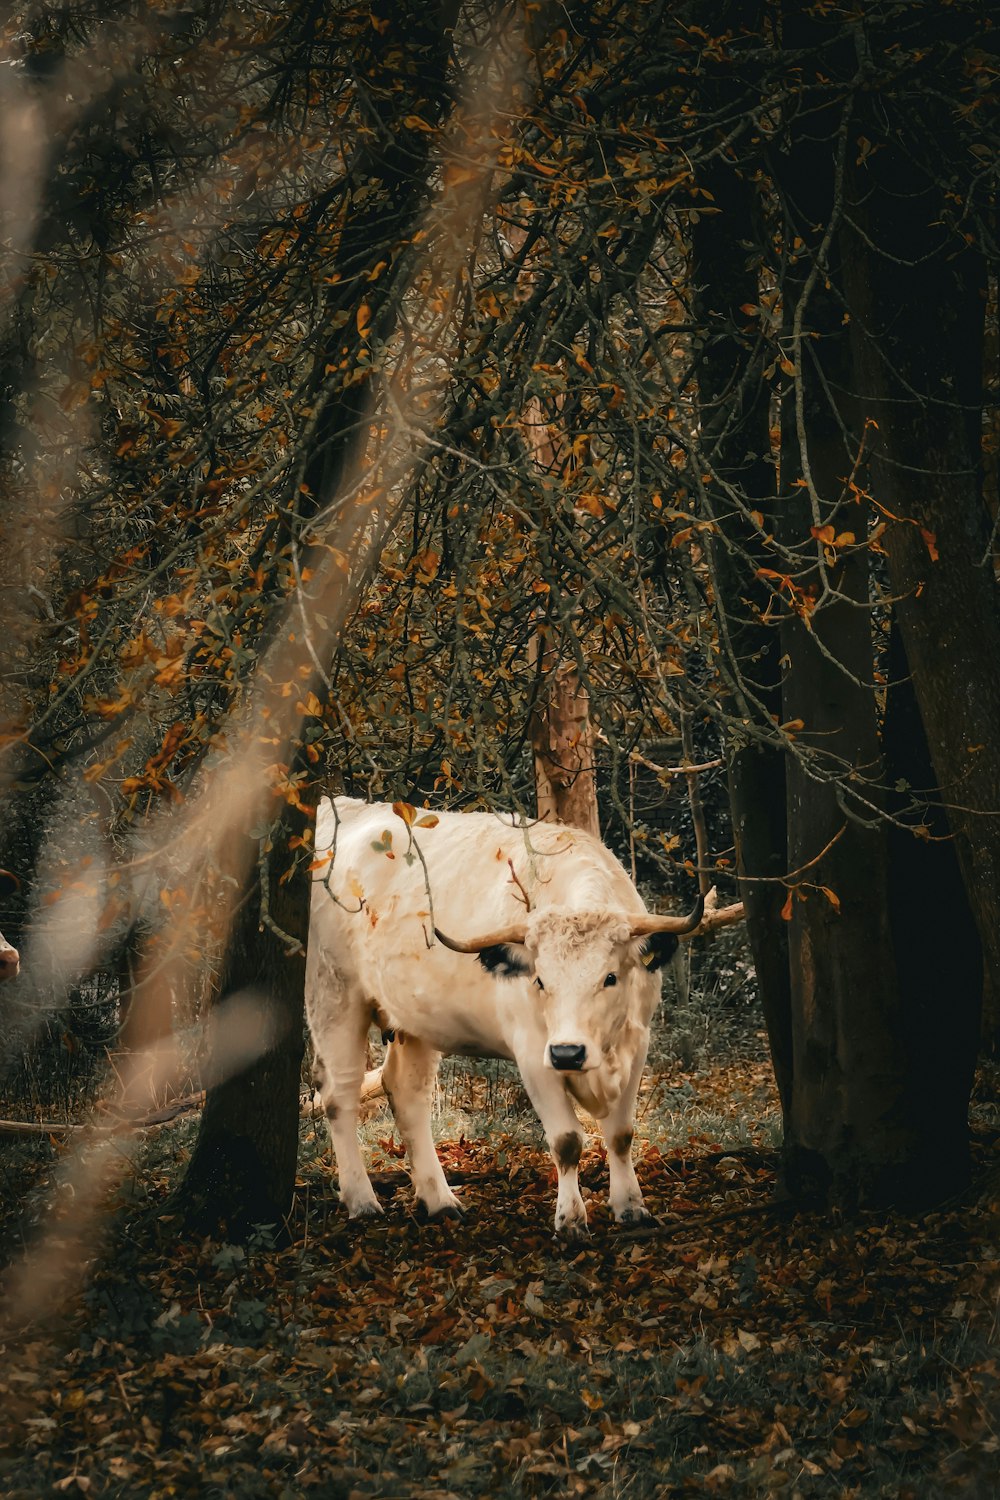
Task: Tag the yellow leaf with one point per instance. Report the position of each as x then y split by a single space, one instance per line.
406 811
458 176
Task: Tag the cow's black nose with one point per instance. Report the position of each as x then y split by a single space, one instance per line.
567 1057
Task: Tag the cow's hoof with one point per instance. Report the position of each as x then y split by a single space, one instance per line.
634 1217
366 1211
573 1232
447 1211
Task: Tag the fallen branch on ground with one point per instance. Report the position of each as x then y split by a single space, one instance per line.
109 1127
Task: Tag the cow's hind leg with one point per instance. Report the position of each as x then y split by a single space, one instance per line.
625 1195
408 1079
340 1035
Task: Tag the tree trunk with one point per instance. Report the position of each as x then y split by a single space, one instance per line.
735 447
935 941
562 736
562 739
846 1133
242 1171
918 303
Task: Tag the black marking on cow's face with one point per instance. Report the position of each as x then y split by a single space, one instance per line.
504 962
568 1149
658 949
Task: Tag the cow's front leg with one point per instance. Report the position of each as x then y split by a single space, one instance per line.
617 1127
547 1091
408 1079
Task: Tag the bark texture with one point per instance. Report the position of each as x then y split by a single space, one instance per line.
562 739
846 1133
733 404
938 953
242 1171
918 309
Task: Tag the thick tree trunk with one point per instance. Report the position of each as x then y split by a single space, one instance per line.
935 941
242 1172
847 1135
918 302
735 443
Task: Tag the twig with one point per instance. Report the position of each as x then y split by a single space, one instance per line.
517 882
636 759
65 1127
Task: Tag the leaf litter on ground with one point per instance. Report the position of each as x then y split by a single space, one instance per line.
739 1348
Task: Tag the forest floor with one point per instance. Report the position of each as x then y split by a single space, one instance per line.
738 1349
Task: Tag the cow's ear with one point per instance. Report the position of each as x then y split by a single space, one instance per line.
505 961
658 949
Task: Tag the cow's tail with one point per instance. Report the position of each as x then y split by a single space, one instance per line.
372 1091
372 1087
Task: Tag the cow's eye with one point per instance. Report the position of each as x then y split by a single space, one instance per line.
539 983
609 980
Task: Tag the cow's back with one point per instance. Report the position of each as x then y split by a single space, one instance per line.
468 859
378 932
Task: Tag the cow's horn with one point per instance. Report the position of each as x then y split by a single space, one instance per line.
476 945
647 925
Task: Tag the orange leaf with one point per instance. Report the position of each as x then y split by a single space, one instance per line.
786 910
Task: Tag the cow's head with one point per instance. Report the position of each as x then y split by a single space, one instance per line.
582 966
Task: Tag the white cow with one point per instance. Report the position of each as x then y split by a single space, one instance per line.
10 960
550 960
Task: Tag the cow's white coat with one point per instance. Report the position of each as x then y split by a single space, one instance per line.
10 960
373 955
